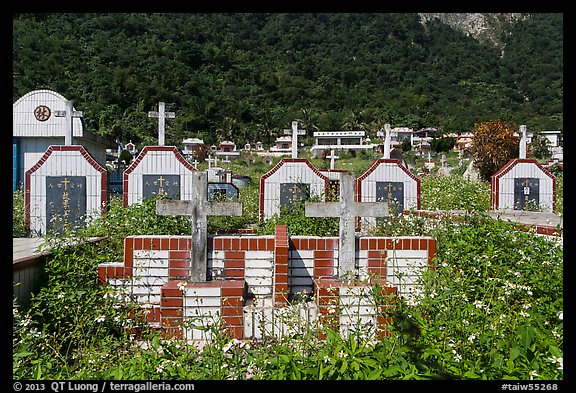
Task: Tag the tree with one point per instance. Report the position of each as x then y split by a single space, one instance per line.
493 146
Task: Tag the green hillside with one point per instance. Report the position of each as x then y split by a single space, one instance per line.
245 77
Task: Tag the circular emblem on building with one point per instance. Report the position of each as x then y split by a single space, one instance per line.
42 113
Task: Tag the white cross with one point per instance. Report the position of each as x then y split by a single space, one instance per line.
162 116
294 139
387 141
195 164
347 209
69 113
522 142
332 157
198 208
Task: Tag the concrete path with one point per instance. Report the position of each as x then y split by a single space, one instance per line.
542 219
27 249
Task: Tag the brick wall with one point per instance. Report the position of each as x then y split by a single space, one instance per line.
252 276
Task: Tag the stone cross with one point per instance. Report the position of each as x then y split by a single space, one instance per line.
332 157
162 115
195 164
69 113
387 141
198 208
522 154
294 139
347 209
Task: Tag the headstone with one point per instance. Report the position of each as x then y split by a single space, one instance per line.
158 170
347 209
63 189
222 191
162 115
292 179
198 208
387 180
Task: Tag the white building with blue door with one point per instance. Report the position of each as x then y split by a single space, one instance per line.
37 124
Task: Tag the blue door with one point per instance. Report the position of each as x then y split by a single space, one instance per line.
15 177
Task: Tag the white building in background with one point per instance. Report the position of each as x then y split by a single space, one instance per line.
340 140
36 126
190 144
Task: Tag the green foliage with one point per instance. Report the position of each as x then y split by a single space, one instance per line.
454 193
247 75
298 224
18 214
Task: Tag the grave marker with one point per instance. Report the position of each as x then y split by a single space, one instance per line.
62 189
332 156
69 114
198 208
523 184
290 180
390 181
347 209
162 115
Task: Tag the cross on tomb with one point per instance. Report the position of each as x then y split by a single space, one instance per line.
198 208
162 115
332 157
195 164
347 209
69 113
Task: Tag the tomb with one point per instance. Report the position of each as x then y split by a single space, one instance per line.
523 184
63 189
292 179
39 120
158 170
388 180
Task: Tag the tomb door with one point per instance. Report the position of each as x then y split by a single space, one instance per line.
393 194
65 202
526 193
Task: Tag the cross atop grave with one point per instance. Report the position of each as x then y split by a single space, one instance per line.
294 139
69 113
198 208
162 115
387 141
347 209
195 164
332 157
522 154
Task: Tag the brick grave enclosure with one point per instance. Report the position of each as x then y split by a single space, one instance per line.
252 278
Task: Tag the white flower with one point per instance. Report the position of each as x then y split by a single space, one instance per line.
100 318
561 315
181 285
472 338
532 374
60 295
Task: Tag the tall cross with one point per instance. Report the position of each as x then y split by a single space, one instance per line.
332 157
198 208
294 139
347 209
69 113
387 141
522 142
162 115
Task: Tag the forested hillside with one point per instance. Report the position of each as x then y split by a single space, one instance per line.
245 77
